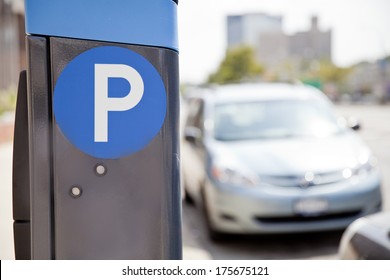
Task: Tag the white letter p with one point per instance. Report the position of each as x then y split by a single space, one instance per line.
104 104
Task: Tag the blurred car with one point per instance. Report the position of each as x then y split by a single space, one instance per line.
274 158
367 238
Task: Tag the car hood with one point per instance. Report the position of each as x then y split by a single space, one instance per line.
294 155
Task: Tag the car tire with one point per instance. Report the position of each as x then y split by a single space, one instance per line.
187 197
213 234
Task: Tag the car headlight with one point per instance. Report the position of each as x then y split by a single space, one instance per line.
362 170
234 177
367 167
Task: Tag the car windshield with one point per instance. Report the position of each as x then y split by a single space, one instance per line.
274 119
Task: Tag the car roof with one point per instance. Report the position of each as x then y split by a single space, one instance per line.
258 92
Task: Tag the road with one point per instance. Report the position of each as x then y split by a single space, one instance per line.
376 133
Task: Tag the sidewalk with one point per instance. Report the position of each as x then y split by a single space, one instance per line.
6 231
6 220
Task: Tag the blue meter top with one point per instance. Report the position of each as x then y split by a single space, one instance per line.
141 22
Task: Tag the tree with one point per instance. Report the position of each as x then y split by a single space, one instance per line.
324 75
328 72
239 64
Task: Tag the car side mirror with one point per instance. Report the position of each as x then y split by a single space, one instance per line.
192 134
353 123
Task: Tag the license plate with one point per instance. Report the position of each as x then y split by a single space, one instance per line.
311 206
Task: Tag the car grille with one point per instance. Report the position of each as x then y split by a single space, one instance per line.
300 180
301 218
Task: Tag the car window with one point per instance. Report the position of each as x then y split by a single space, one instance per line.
274 119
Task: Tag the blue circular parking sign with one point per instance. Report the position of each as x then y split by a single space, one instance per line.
109 102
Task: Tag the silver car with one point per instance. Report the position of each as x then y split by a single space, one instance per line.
274 158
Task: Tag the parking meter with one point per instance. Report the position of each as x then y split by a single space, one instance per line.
102 156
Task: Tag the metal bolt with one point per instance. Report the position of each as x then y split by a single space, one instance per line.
75 191
100 169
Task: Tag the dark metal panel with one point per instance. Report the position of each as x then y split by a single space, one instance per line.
40 147
133 211
22 240
20 162
170 140
20 175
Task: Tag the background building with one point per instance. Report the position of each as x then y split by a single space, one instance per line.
273 47
370 80
312 44
247 29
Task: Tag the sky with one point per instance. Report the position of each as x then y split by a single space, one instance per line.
361 29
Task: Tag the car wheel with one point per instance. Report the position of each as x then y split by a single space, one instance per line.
213 234
187 197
